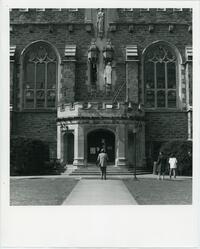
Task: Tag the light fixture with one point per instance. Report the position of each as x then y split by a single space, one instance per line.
108 52
93 53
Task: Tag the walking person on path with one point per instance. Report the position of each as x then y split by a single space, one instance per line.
161 165
102 162
173 166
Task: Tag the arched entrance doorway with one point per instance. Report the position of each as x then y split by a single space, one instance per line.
100 139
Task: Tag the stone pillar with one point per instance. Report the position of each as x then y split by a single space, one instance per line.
11 94
189 125
140 146
132 80
188 77
79 146
67 82
59 143
88 15
12 85
121 141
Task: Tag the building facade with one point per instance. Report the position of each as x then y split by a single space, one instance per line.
85 79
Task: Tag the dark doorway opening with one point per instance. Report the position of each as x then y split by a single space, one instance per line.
100 139
69 148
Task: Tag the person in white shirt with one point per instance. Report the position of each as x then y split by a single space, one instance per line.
173 166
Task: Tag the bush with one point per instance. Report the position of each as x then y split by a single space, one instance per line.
182 150
54 166
27 156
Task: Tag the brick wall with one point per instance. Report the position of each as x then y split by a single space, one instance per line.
55 28
37 125
165 126
23 34
47 16
154 16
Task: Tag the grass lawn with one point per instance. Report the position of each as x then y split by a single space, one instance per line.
155 192
43 191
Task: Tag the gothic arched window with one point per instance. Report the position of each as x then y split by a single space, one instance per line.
40 76
160 77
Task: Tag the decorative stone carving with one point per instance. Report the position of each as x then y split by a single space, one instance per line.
171 28
108 74
151 28
100 23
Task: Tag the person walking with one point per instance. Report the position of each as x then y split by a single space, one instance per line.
172 166
102 162
161 165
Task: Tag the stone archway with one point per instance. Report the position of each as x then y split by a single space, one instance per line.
98 139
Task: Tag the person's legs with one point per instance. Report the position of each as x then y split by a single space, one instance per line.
170 173
159 175
101 172
174 173
105 173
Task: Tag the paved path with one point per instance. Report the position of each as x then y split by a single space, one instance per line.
100 192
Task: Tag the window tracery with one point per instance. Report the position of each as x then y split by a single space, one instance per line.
40 80
160 77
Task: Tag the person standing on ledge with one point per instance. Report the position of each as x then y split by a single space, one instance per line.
108 74
102 162
108 77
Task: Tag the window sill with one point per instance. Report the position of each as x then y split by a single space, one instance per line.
40 110
164 110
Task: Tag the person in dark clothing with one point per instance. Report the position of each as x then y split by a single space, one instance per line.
102 162
161 165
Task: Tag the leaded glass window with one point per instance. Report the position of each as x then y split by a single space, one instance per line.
40 77
160 77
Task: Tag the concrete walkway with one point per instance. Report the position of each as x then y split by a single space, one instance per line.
100 192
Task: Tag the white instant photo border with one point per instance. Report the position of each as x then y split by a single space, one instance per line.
99 226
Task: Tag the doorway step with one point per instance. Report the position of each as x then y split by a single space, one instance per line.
111 171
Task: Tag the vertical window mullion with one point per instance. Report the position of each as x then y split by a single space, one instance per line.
56 88
177 81
45 90
155 85
166 87
35 92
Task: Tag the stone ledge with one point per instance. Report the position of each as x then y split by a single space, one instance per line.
88 110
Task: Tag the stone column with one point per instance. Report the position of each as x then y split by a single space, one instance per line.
67 82
121 141
88 15
132 80
79 145
140 144
188 77
12 85
59 143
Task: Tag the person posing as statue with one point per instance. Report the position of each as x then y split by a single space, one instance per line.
100 22
108 77
108 74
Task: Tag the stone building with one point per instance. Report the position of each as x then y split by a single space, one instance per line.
82 79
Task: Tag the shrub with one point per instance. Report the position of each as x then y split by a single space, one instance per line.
182 150
54 166
27 156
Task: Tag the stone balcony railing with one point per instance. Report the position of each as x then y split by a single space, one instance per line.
99 110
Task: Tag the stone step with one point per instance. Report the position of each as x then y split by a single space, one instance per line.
111 170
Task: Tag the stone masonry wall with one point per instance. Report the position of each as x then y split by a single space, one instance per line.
166 126
37 125
53 26
61 28
143 38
